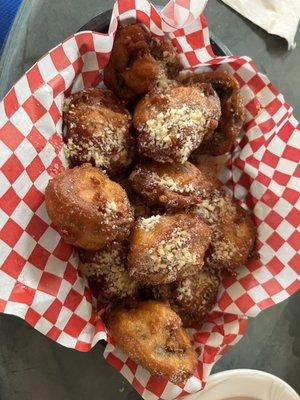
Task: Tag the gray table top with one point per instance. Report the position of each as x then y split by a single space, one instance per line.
31 366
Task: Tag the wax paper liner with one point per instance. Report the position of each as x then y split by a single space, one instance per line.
38 274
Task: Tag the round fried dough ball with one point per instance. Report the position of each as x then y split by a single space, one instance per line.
88 208
138 61
108 267
172 123
174 186
232 115
150 332
234 232
167 248
192 298
98 130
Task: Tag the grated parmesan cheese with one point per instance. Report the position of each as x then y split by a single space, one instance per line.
149 223
168 124
223 250
109 268
107 145
184 290
207 211
172 254
213 212
180 126
169 183
111 206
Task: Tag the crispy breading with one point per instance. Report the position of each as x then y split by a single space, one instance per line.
175 186
192 298
172 123
108 267
88 208
167 248
233 232
97 130
150 332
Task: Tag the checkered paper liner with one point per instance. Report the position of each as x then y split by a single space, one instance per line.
39 281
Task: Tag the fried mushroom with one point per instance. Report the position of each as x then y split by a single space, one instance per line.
108 267
151 333
172 123
167 248
192 298
174 186
232 115
195 296
97 130
138 61
233 232
88 208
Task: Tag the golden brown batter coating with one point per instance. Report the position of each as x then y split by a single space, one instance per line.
232 116
140 208
234 232
152 335
192 298
167 248
88 208
195 296
108 267
210 168
173 122
174 186
138 61
98 130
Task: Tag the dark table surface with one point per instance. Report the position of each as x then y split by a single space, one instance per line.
34 368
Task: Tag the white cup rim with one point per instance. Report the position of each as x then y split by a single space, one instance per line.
248 383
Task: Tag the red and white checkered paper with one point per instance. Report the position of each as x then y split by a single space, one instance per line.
39 281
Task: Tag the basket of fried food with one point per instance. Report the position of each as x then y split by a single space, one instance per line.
141 200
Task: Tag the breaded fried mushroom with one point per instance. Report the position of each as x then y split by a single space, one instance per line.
152 335
172 123
138 61
192 298
167 248
108 267
232 116
88 208
233 232
195 296
97 130
174 186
